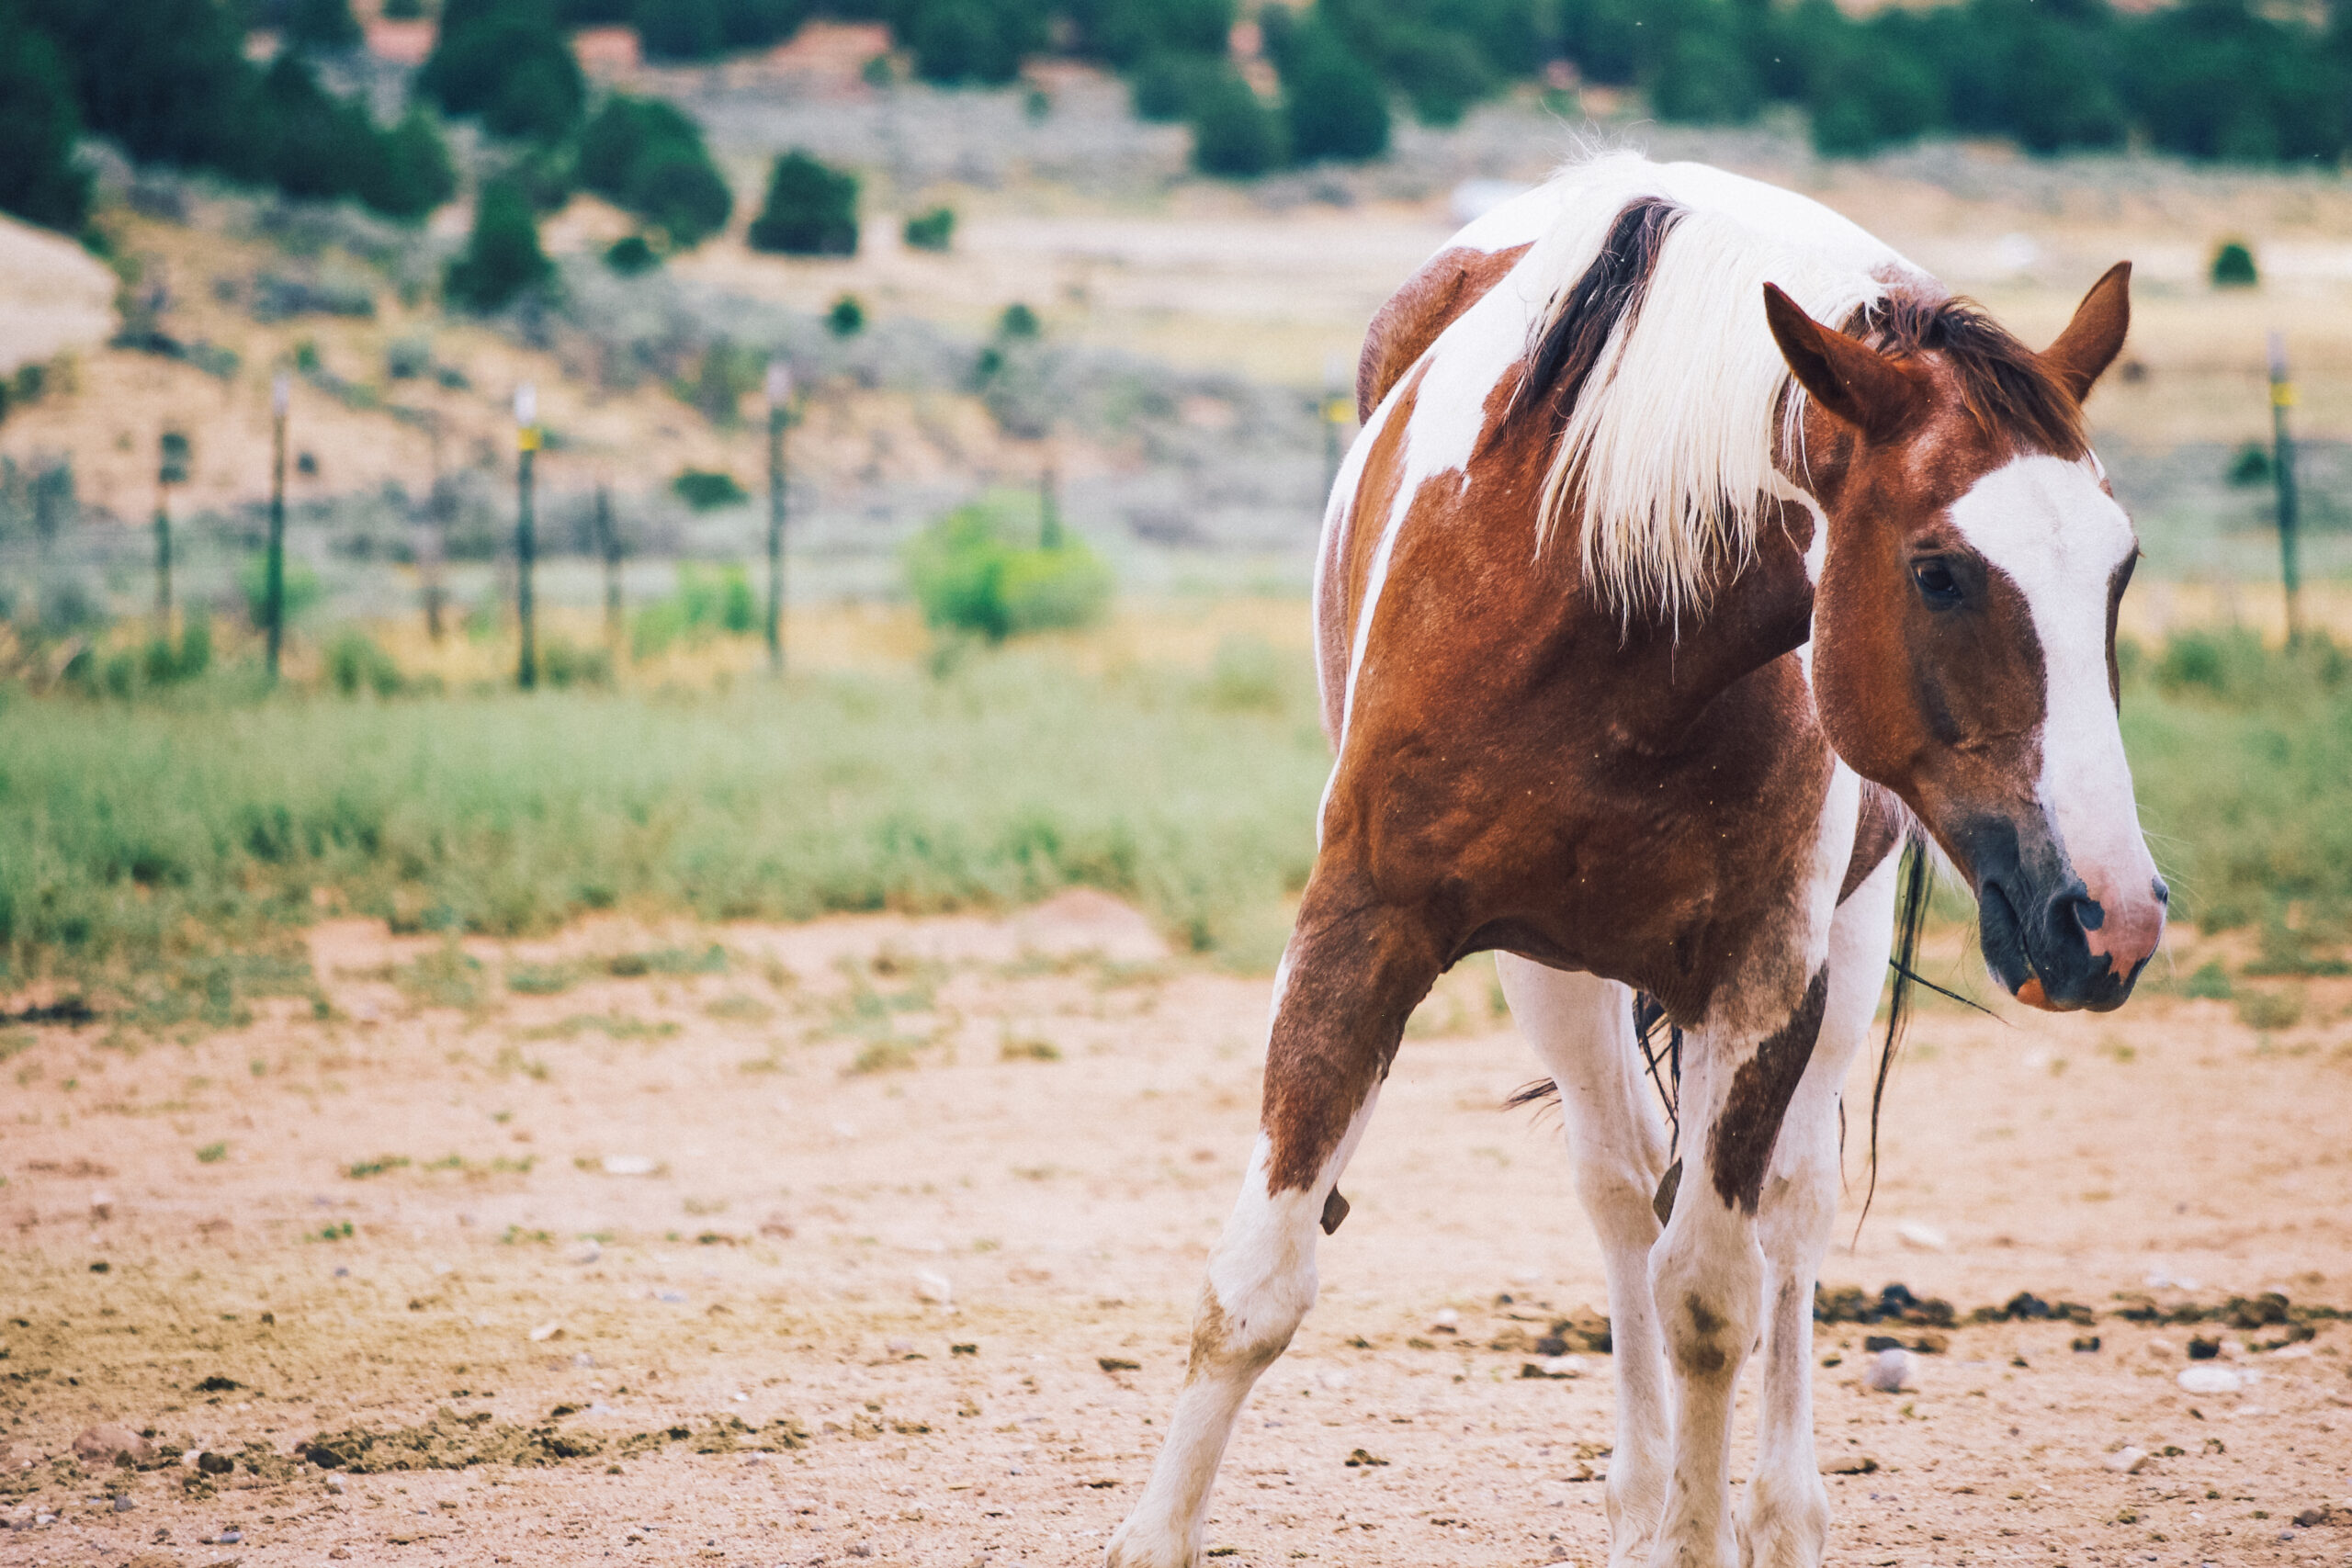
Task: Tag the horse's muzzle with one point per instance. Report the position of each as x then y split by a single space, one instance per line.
2048 941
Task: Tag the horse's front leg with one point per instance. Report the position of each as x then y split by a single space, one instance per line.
1707 1272
1787 1519
1353 972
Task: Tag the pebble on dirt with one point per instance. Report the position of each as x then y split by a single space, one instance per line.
934 1288
1891 1370
2129 1461
101 1445
2208 1379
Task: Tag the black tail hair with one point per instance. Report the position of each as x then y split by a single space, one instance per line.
1910 921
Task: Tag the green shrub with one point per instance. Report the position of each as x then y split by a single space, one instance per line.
632 256
645 156
931 231
507 62
1333 106
564 664
704 604
2233 266
503 258
846 316
2251 467
811 209
357 662
706 489
1234 133
969 572
41 179
1166 85
300 588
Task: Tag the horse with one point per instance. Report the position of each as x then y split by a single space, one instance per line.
1697 553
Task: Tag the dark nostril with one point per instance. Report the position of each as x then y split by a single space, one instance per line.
2163 894
2088 912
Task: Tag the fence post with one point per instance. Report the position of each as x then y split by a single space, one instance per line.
273 592
2282 470
609 547
527 442
171 469
779 412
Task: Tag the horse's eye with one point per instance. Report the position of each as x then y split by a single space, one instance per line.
1937 584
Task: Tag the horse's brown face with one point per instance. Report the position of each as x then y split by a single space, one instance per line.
1963 648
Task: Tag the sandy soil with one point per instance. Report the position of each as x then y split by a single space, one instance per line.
873 1241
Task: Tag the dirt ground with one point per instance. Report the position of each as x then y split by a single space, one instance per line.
873 1240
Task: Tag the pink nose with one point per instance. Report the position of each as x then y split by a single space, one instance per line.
2126 930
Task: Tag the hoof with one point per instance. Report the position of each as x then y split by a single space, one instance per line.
1139 1547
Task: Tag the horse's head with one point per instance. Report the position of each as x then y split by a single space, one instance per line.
1964 621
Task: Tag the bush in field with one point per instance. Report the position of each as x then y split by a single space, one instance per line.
503 258
811 211
1123 32
931 231
1234 133
507 62
322 25
706 489
646 157
704 605
1333 106
971 573
40 179
356 663
301 587
2233 266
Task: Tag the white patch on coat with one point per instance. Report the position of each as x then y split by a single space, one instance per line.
1456 373
2049 526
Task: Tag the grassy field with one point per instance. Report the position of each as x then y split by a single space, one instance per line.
142 842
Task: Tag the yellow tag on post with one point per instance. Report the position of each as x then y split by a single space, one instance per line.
527 438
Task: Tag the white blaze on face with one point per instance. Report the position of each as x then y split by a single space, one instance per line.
2060 537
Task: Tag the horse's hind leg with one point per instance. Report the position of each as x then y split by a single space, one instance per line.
1582 1030
1787 1522
1353 972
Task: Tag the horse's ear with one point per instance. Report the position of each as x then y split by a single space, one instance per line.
1845 376
2095 336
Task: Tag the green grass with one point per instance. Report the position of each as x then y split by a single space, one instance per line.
156 847
206 822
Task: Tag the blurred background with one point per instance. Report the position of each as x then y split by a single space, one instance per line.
473 465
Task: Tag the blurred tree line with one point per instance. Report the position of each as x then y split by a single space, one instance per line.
169 81
2202 79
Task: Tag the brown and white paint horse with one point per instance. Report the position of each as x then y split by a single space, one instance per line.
1653 614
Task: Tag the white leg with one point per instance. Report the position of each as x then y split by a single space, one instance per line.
1353 973
1261 1282
1787 1522
1582 1030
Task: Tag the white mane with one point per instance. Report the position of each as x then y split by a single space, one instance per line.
1667 456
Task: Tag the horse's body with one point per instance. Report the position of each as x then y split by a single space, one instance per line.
1639 657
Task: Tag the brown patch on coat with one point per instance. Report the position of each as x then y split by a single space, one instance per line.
1412 318
1702 1354
1214 1352
1739 1147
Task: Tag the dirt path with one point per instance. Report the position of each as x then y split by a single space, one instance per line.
874 1241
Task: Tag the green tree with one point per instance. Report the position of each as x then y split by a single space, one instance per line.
644 155
40 179
1234 133
1332 104
322 25
811 209
503 258
507 62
